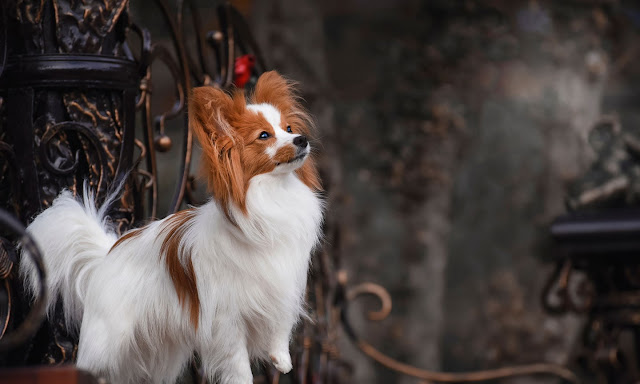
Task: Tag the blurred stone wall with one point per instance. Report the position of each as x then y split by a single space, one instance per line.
450 130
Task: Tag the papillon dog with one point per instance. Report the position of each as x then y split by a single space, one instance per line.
225 280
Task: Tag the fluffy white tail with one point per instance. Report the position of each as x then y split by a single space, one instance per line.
74 237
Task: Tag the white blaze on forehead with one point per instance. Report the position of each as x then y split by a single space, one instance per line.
269 112
273 117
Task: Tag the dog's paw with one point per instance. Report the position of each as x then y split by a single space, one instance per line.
282 361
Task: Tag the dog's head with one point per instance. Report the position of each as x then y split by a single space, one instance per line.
241 138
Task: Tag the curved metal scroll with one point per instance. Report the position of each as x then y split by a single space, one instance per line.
559 286
81 129
344 296
34 318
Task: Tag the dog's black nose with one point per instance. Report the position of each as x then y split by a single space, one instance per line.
300 141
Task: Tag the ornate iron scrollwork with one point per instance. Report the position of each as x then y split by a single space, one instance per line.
345 295
32 320
597 276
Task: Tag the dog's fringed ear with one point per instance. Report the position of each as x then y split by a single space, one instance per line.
274 89
212 113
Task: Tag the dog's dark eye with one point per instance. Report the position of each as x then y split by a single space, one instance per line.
264 135
289 129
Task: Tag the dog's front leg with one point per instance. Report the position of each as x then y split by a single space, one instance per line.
224 355
279 345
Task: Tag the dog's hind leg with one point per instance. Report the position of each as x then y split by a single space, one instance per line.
108 352
224 354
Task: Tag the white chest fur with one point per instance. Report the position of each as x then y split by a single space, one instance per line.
261 263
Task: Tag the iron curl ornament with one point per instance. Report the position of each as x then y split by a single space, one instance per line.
32 320
344 295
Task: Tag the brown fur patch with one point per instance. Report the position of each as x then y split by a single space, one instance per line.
284 154
276 90
308 174
232 154
129 235
183 276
